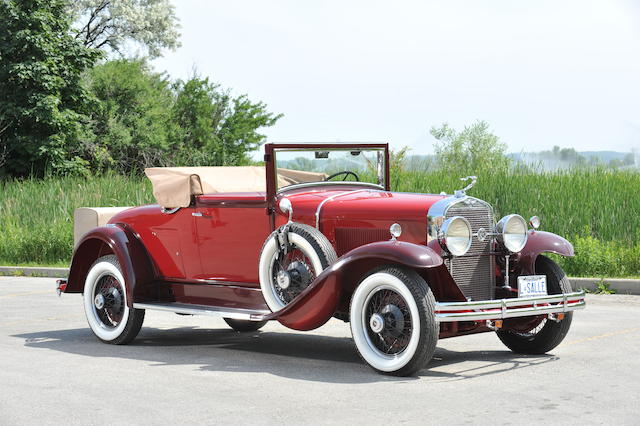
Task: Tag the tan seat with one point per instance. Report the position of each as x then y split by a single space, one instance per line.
87 218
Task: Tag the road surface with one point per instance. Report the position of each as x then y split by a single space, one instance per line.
197 370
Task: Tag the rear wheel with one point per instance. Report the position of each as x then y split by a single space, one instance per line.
244 325
105 303
543 335
393 322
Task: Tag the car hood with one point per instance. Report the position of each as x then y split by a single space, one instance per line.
353 213
362 204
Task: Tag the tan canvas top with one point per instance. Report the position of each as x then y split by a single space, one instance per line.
174 186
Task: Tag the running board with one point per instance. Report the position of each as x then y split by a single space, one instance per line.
189 309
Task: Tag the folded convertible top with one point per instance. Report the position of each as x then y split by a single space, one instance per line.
174 186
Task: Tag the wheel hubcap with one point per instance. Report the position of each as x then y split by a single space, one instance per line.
283 279
99 301
376 322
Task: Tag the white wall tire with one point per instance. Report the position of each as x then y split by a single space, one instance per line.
108 315
317 254
401 291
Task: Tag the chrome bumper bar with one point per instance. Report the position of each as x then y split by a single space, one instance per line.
509 308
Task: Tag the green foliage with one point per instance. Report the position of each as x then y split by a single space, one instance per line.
472 151
36 215
216 128
603 287
144 120
131 127
43 104
597 202
576 205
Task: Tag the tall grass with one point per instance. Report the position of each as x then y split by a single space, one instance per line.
36 216
598 210
601 203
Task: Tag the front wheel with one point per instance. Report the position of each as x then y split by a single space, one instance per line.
543 335
105 303
393 322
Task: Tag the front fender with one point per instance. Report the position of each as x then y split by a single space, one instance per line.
123 243
543 242
318 302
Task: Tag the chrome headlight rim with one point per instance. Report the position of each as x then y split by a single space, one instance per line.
504 229
452 225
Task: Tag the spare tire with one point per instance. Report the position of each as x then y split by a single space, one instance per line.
285 273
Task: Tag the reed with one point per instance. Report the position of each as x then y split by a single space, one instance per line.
598 210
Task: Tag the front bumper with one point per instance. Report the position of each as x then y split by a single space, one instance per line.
509 308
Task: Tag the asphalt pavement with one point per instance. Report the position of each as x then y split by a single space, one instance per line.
196 369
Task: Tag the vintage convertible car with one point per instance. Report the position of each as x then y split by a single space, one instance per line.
314 234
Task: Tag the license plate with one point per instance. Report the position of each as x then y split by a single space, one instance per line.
532 285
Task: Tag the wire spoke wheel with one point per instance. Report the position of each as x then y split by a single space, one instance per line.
292 258
390 322
105 303
109 301
291 272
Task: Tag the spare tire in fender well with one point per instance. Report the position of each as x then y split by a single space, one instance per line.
318 302
136 265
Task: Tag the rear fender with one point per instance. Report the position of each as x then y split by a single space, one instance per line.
318 302
539 242
134 260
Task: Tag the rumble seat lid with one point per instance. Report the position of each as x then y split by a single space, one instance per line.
174 186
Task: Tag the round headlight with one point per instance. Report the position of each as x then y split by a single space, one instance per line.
455 235
512 232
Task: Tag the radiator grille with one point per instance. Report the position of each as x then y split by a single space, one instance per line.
474 272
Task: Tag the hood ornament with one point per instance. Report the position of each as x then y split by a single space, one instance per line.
459 193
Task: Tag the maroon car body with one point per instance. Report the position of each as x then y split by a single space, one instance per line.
205 258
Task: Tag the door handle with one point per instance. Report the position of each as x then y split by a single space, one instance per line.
197 214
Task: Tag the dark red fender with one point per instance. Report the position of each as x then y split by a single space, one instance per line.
318 302
542 242
134 260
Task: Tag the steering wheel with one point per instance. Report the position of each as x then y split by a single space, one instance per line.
346 174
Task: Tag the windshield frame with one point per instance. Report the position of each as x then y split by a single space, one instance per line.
271 150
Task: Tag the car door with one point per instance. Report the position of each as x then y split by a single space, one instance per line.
231 229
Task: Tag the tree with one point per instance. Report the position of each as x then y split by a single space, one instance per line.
217 128
132 125
473 150
143 120
43 102
110 24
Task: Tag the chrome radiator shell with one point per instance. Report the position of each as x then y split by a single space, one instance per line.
474 272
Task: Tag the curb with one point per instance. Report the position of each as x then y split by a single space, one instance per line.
620 285
30 271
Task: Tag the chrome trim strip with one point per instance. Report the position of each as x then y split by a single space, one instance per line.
334 196
329 182
184 308
508 308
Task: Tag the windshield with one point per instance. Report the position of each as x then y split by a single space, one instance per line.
306 165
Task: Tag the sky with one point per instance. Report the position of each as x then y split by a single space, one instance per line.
541 73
